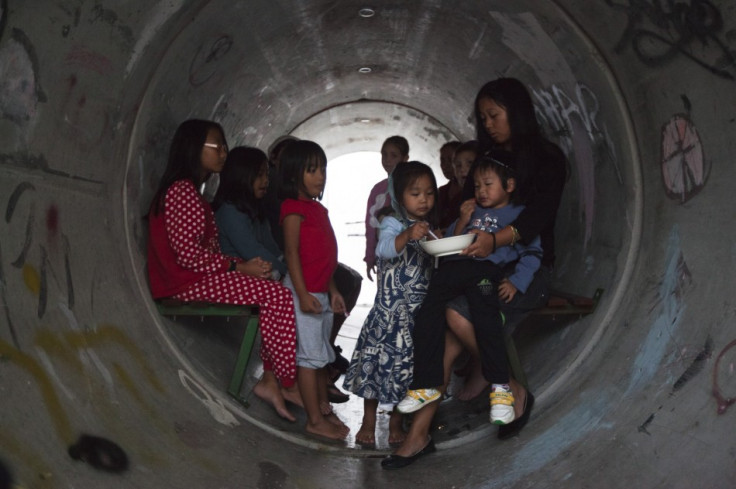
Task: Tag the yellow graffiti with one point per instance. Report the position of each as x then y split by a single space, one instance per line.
65 346
51 400
106 334
32 279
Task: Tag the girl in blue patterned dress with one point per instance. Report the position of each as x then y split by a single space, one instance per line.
381 367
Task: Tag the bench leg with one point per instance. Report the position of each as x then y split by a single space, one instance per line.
246 348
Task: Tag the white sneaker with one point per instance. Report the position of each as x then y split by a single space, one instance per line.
502 405
416 399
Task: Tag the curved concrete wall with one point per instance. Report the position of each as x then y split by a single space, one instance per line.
640 96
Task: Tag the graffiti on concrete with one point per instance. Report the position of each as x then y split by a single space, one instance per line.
37 281
659 31
668 309
83 57
75 13
696 366
203 64
20 90
575 123
684 171
723 402
110 18
215 406
73 349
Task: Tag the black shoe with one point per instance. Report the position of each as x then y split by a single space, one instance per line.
341 363
513 428
336 396
397 461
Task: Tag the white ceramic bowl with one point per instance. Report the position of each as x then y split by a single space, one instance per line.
447 246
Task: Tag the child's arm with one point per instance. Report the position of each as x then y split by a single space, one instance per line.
507 290
530 259
392 239
418 230
466 210
337 302
307 302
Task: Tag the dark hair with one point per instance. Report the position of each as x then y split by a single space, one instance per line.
278 145
471 145
503 163
513 96
527 142
451 144
295 159
400 142
499 162
242 167
407 173
185 157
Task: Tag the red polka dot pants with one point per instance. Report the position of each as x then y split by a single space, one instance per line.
276 316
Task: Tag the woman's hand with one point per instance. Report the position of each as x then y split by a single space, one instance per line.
309 304
481 247
506 291
255 267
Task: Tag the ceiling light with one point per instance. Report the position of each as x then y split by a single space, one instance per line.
366 12
364 69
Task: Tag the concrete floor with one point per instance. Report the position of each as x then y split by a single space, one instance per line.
640 95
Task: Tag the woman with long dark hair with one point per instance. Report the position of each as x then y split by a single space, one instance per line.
506 120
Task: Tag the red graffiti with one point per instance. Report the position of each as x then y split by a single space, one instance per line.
84 58
52 220
723 402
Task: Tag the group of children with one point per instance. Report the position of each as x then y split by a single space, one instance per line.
401 340
397 361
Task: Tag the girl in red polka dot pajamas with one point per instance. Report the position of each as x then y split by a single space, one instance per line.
185 261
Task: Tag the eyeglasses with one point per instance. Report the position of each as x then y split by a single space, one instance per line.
218 147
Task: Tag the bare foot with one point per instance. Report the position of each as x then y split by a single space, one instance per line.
396 437
328 430
325 408
366 435
396 433
474 384
334 420
292 395
269 390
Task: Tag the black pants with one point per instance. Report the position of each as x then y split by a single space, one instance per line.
478 281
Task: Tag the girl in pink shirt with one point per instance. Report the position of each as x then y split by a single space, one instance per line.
395 150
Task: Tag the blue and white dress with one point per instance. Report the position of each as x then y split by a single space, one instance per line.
381 366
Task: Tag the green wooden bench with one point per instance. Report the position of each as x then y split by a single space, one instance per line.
173 308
